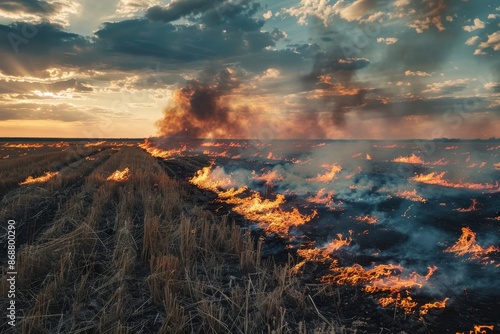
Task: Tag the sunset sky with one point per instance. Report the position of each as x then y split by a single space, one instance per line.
380 69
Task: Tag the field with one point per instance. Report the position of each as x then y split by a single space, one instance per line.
123 236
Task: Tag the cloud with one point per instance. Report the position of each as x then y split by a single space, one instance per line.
493 42
63 112
46 46
36 11
358 9
409 73
473 40
494 86
478 24
180 8
314 8
447 87
267 15
387 40
130 8
26 87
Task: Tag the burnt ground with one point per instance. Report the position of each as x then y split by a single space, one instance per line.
351 307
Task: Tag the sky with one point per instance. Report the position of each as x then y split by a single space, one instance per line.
340 69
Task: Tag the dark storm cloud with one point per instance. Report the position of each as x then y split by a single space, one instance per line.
30 6
180 8
179 43
26 48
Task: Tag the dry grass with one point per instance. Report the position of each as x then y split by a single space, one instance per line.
136 256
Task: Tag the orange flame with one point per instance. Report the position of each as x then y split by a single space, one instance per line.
322 254
159 153
44 178
328 176
385 146
467 244
479 329
204 178
98 143
270 177
424 309
321 197
473 206
411 195
384 278
406 303
413 159
367 219
267 212
22 145
437 179
119 175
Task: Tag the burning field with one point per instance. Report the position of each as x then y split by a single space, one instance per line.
298 235
413 230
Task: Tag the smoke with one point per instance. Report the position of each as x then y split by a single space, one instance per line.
201 109
333 90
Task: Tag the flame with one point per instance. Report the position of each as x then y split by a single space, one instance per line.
385 146
440 162
269 177
497 166
424 309
6 156
437 179
321 197
212 144
223 154
92 144
322 254
159 153
382 279
368 157
7 145
467 244
59 144
266 212
328 176
214 181
44 178
479 329
406 303
394 283
413 159
411 195
367 219
119 175
454 147
473 206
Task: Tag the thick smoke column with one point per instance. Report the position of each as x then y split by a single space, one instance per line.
332 77
200 109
